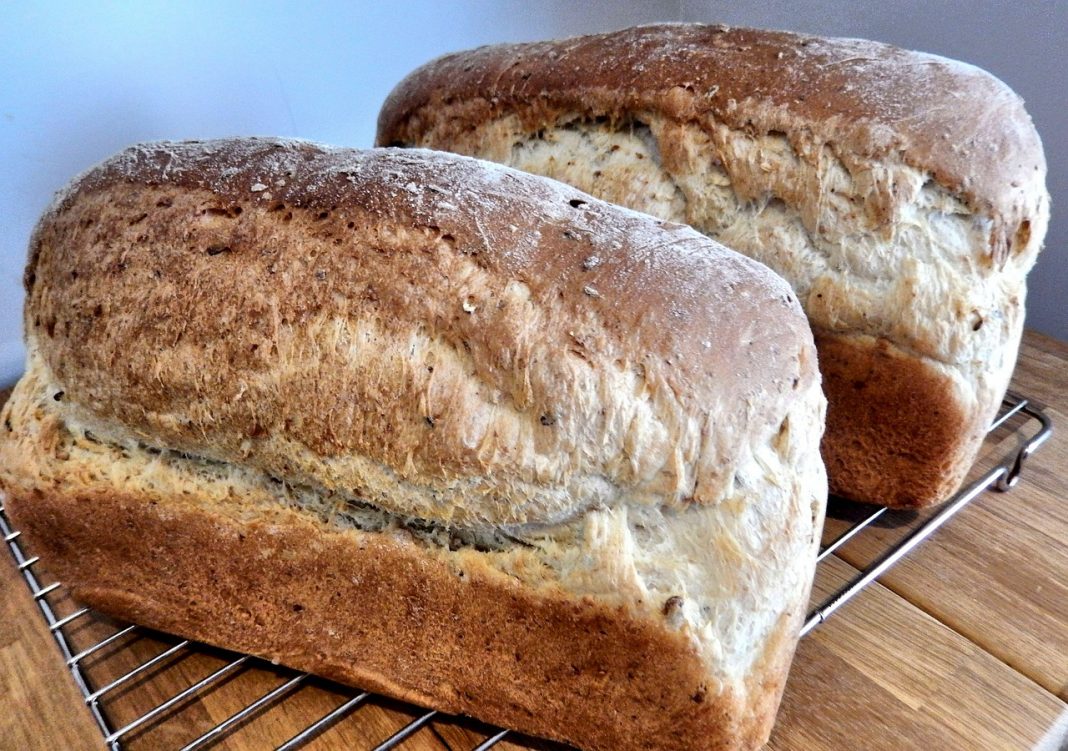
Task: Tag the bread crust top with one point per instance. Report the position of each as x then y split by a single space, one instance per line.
864 99
443 337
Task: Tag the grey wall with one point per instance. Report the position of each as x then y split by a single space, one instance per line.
78 82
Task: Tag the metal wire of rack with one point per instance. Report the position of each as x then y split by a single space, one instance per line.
1002 476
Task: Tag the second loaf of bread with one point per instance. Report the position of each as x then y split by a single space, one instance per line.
901 194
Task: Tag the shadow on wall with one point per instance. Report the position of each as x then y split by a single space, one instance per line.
12 357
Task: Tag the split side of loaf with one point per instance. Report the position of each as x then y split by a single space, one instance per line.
901 194
426 425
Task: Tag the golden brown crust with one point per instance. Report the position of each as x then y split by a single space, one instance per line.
898 432
185 355
461 327
384 616
866 98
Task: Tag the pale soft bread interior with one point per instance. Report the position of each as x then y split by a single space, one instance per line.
873 249
705 571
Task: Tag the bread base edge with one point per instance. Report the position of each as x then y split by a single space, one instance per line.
380 612
899 433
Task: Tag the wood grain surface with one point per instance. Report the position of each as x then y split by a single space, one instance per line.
963 645
998 573
40 707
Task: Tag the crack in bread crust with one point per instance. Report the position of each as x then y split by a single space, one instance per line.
866 99
711 563
223 555
870 249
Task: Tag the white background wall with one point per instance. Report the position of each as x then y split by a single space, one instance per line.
79 81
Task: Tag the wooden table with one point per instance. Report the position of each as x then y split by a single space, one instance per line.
963 645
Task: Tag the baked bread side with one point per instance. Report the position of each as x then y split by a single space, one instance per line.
901 194
153 456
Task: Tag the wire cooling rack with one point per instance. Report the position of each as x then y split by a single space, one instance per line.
109 660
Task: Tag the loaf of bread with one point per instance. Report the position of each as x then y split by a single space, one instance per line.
427 425
902 195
